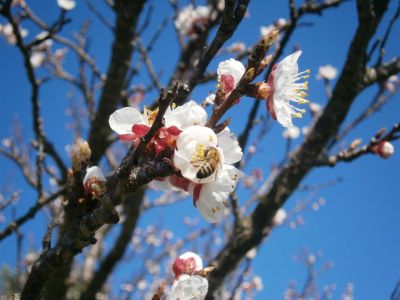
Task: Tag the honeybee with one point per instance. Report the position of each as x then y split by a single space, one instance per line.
209 164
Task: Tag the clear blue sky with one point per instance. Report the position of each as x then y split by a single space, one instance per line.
358 229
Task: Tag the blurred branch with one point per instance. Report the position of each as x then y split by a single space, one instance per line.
127 15
30 214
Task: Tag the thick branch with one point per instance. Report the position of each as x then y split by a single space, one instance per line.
128 13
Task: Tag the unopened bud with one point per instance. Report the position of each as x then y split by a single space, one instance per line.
270 38
85 151
384 149
264 90
95 182
354 144
266 61
187 263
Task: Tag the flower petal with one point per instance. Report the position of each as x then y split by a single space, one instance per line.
231 67
213 195
286 69
188 288
121 120
186 115
230 146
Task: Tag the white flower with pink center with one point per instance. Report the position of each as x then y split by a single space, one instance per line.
200 153
229 74
130 124
283 88
204 159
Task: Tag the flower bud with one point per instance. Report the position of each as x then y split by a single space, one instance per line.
270 38
85 151
384 149
187 263
264 90
94 182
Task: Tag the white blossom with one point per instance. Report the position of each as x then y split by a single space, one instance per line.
194 146
189 16
37 58
122 120
283 88
8 33
66 4
328 72
229 74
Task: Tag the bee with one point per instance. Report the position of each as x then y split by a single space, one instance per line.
209 163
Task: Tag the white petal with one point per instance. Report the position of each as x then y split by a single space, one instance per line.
188 144
200 134
286 69
186 115
231 67
184 165
122 120
161 185
283 115
188 288
213 196
94 172
66 4
230 146
197 259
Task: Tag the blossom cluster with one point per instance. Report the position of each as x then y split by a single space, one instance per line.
192 20
202 158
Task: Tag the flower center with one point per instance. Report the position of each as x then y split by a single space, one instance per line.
297 91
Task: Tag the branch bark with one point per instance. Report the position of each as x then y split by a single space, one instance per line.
128 13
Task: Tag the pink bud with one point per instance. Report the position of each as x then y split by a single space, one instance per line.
384 149
187 263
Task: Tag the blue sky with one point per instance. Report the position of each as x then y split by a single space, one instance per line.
357 229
